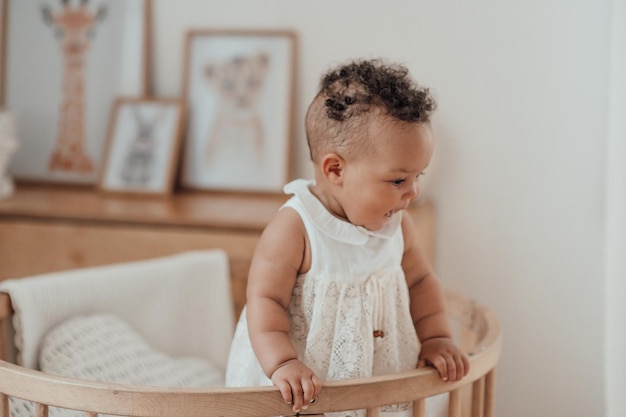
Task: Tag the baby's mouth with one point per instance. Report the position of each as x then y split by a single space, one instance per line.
389 214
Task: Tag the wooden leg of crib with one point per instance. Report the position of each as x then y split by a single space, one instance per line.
5 315
3 339
42 410
490 381
478 398
454 404
419 408
3 353
4 405
373 412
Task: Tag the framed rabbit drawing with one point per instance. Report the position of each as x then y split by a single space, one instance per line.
143 145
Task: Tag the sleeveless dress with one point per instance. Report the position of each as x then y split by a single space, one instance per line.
349 314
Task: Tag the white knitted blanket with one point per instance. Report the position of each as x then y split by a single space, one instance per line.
102 347
182 304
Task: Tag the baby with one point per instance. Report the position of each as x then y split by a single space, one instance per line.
338 287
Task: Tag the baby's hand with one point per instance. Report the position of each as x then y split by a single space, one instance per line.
297 384
442 354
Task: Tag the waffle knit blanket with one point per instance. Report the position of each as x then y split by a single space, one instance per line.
182 304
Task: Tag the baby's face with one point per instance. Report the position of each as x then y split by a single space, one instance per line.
377 184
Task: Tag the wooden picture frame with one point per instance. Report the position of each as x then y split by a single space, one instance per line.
65 62
239 86
143 144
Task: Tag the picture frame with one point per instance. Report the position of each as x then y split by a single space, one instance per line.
65 62
143 143
239 86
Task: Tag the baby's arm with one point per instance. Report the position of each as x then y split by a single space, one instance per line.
428 312
277 259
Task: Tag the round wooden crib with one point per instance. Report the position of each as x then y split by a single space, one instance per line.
476 327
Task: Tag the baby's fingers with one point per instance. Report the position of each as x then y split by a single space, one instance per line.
298 385
285 391
445 367
441 364
456 367
297 394
317 387
451 367
308 392
462 366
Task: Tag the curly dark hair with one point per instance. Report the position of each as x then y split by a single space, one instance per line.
351 94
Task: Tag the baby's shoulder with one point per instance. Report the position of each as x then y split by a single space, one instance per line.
283 242
285 228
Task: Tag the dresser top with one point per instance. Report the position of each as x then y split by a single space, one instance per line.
231 211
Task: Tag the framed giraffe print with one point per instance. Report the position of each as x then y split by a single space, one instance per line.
142 146
239 89
65 63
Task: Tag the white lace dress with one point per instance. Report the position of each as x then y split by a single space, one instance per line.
349 313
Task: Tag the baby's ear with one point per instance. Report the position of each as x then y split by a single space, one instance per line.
332 168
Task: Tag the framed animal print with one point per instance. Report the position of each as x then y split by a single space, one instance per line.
143 145
239 88
65 62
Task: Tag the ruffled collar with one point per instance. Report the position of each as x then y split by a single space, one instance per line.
333 226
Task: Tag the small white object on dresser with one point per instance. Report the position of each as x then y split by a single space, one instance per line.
8 146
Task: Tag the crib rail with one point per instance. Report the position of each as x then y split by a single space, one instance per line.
365 393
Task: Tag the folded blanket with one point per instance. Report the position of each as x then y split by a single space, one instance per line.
181 304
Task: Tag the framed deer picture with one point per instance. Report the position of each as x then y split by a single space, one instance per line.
239 88
65 63
143 146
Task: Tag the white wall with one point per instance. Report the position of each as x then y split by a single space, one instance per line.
519 178
615 359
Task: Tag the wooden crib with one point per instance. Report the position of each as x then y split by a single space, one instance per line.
41 231
479 335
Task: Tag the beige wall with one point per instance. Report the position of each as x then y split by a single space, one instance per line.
615 359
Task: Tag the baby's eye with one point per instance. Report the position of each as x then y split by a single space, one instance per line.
398 181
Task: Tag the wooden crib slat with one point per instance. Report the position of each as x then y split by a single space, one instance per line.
4 405
5 314
419 408
373 412
5 306
478 398
41 410
490 384
90 414
3 338
454 403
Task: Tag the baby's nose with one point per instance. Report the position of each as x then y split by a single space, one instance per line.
413 190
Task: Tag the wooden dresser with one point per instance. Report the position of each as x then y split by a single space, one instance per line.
53 228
